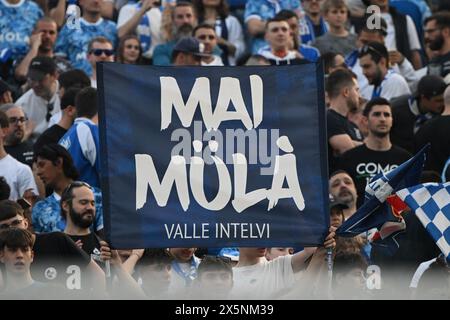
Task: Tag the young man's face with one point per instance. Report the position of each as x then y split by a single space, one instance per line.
17 222
101 52
208 37
156 276
48 172
278 35
371 70
16 260
337 17
82 210
379 120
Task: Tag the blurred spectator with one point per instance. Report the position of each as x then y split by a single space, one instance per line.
73 41
377 154
18 175
399 25
184 20
17 20
16 143
184 267
56 169
343 190
437 39
100 49
188 52
82 139
42 100
342 135
337 39
143 19
230 35
332 61
258 12
257 60
336 212
280 50
411 112
206 35
5 190
309 53
374 62
437 132
41 44
349 281
129 50
215 278
273 253
5 93
313 23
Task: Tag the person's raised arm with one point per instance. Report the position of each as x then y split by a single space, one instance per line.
342 143
129 26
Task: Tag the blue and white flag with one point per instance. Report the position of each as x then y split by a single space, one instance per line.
374 212
431 203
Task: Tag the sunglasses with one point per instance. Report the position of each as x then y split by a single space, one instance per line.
130 46
204 37
12 224
50 108
15 120
99 52
366 49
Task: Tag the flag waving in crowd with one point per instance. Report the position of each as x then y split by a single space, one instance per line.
431 203
375 211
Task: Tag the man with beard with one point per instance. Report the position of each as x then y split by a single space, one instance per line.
343 190
206 34
184 20
374 62
437 38
343 93
15 144
42 100
78 210
411 112
42 42
54 166
377 154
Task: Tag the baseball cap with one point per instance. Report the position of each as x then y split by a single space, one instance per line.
431 86
41 66
192 46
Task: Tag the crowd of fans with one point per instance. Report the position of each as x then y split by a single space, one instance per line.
387 96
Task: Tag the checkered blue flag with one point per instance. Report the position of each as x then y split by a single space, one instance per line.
431 203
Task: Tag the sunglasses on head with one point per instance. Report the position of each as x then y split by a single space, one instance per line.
366 49
75 184
99 52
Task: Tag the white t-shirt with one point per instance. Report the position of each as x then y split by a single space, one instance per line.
178 278
414 43
35 108
18 176
393 85
153 30
265 280
216 62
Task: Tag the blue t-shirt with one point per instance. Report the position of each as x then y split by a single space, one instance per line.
46 214
82 142
16 25
73 42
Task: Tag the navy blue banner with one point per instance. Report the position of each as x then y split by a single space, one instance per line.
213 156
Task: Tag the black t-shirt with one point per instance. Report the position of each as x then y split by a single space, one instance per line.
23 152
337 124
363 163
91 244
440 65
51 135
54 253
437 132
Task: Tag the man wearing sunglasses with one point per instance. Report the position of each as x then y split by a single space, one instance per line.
42 100
16 142
100 49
